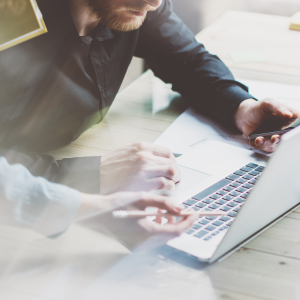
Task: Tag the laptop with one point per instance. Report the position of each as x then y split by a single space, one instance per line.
255 190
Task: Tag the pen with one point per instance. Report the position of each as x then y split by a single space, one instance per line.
141 214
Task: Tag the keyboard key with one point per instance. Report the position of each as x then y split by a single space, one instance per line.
197 226
210 218
196 208
252 165
186 206
212 189
229 223
259 169
208 209
210 227
253 181
190 202
221 202
224 218
239 200
228 188
232 214
237 209
227 198
201 233
241 180
215 233
204 222
232 204
232 177
254 173
246 169
215 197
221 192
190 231
223 228
248 186
201 205
235 184
241 190
245 195
208 200
218 223
208 238
234 194
225 208
239 172
214 206
248 176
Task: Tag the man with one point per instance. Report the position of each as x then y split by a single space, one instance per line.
56 86
48 208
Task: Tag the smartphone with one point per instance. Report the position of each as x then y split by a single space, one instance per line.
273 127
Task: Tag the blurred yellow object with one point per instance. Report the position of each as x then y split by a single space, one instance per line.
20 20
295 24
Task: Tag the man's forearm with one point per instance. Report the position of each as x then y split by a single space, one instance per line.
80 173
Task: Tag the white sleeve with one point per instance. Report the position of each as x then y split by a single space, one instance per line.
35 203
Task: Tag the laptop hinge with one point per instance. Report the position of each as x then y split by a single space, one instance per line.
254 235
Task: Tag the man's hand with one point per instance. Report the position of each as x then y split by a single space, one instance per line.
138 167
96 210
251 114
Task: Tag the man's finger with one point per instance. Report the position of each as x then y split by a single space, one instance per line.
277 108
264 144
161 151
275 139
145 157
171 172
161 183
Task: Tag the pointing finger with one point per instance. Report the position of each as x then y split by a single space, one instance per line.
277 108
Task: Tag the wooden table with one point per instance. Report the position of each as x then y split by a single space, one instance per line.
85 264
242 31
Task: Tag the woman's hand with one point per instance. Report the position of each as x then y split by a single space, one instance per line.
96 210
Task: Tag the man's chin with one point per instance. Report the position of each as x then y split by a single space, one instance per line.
130 27
126 26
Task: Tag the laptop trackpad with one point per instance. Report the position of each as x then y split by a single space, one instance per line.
189 178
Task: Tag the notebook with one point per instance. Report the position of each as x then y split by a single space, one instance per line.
295 24
20 20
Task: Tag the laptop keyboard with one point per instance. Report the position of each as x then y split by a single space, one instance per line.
229 195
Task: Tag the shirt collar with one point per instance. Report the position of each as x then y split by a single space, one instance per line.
60 24
103 33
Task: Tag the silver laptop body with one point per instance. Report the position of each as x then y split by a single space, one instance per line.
274 195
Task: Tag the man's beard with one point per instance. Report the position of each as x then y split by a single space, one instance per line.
109 16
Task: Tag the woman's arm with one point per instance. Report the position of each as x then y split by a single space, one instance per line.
35 203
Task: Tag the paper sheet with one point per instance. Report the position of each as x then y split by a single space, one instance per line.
247 56
284 93
190 129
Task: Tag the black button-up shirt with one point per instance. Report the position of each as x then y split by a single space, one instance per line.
56 86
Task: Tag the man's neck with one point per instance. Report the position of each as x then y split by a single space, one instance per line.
85 22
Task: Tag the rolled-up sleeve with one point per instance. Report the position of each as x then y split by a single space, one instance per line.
175 56
35 203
